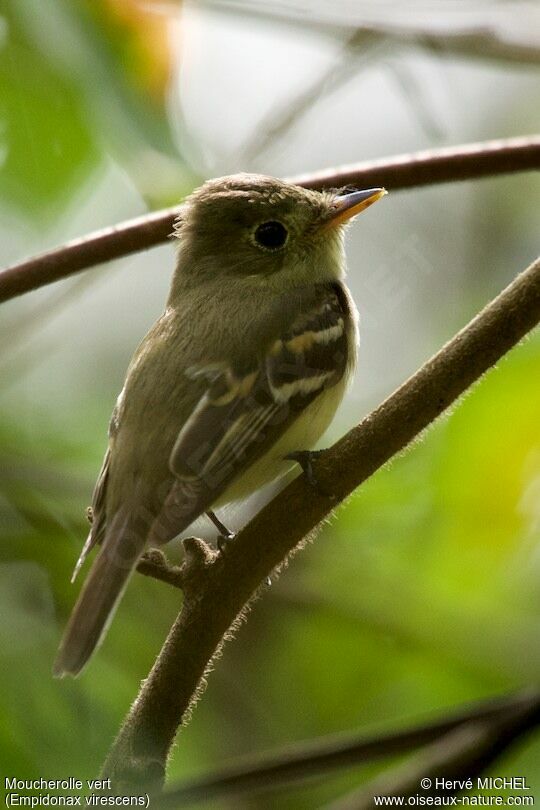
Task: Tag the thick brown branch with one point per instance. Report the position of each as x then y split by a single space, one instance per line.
316 757
405 171
230 580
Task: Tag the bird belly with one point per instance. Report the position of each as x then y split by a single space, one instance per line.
303 434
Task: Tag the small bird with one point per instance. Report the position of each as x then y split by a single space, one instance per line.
246 367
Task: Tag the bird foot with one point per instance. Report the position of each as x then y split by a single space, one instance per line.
225 536
305 459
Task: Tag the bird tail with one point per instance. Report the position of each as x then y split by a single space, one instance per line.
96 604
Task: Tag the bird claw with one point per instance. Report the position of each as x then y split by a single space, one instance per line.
305 459
223 540
225 536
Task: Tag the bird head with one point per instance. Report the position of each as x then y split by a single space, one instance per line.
265 231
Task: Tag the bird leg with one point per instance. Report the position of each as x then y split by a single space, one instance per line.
305 459
225 535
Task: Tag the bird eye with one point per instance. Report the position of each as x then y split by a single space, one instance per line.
271 235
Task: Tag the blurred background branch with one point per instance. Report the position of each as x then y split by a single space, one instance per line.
479 41
314 758
459 755
374 43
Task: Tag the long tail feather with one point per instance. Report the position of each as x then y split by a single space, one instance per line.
93 611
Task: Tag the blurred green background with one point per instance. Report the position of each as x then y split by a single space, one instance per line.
423 592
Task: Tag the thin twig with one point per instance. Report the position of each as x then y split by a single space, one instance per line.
366 45
458 758
219 587
356 48
484 41
405 171
316 757
474 43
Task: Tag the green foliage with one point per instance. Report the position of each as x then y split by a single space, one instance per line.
48 146
65 99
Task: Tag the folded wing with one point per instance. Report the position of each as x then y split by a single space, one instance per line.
244 412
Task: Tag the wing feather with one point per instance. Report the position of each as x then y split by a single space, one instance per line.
242 414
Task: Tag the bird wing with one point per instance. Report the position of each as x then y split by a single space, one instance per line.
242 413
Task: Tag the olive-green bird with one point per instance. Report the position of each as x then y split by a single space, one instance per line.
246 366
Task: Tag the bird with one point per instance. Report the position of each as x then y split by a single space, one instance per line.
234 383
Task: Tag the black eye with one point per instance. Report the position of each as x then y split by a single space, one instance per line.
271 235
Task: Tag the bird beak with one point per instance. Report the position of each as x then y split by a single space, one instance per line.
346 206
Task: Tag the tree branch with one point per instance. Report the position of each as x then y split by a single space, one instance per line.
459 756
315 757
405 171
154 564
482 41
358 47
219 587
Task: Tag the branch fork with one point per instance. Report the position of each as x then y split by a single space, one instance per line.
199 557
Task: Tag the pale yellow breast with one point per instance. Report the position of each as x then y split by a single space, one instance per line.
305 432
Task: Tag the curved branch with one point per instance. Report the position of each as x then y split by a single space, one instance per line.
458 757
433 166
405 171
218 587
317 757
79 254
